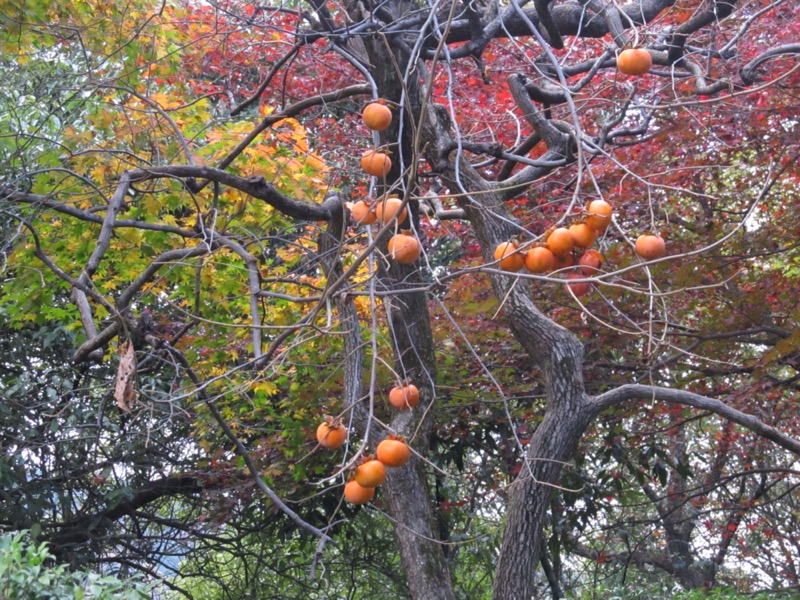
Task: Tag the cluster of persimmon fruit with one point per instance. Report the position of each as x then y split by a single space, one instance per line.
390 452
403 247
558 250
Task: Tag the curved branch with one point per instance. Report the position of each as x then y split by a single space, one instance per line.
570 19
716 11
255 186
549 28
179 254
548 132
514 185
27 198
98 341
648 392
289 111
254 282
614 21
240 448
432 206
330 248
545 93
748 72
75 283
104 239
268 79
639 558
82 529
158 108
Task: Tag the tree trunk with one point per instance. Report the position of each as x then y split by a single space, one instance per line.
424 563
551 347
406 489
552 445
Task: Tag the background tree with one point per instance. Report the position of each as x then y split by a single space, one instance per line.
183 297
26 574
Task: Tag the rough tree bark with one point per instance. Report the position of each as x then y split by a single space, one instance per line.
555 350
406 489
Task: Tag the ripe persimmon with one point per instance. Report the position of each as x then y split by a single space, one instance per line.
331 433
634 61
393 452
583 235
540 259
590 262
361 213
404 397
650 246
404 248
509 257
355 493
387 208
370 473
579 288
560 241
598 215
376 163
377 116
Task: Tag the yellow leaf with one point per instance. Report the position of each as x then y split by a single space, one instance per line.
151 204
265 387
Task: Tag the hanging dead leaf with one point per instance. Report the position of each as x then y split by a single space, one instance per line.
125 390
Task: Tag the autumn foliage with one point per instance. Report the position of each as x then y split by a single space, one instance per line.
541 263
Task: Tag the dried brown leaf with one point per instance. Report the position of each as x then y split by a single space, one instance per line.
125 392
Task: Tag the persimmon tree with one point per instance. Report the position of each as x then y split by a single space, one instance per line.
185 296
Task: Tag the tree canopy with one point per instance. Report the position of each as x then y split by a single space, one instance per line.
200 263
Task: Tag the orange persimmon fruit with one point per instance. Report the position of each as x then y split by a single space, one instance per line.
540 259
355 493
560 241
331 433
634 61
509 257
376 163
393 452
387 208
404 248
598 215
370 473
404 397
650 246
377 116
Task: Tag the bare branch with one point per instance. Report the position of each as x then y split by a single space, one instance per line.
549 27
570 19
290 111
713 12
748 72
549 133
87 349
26 198
104 239
255 186
170 256
647 392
